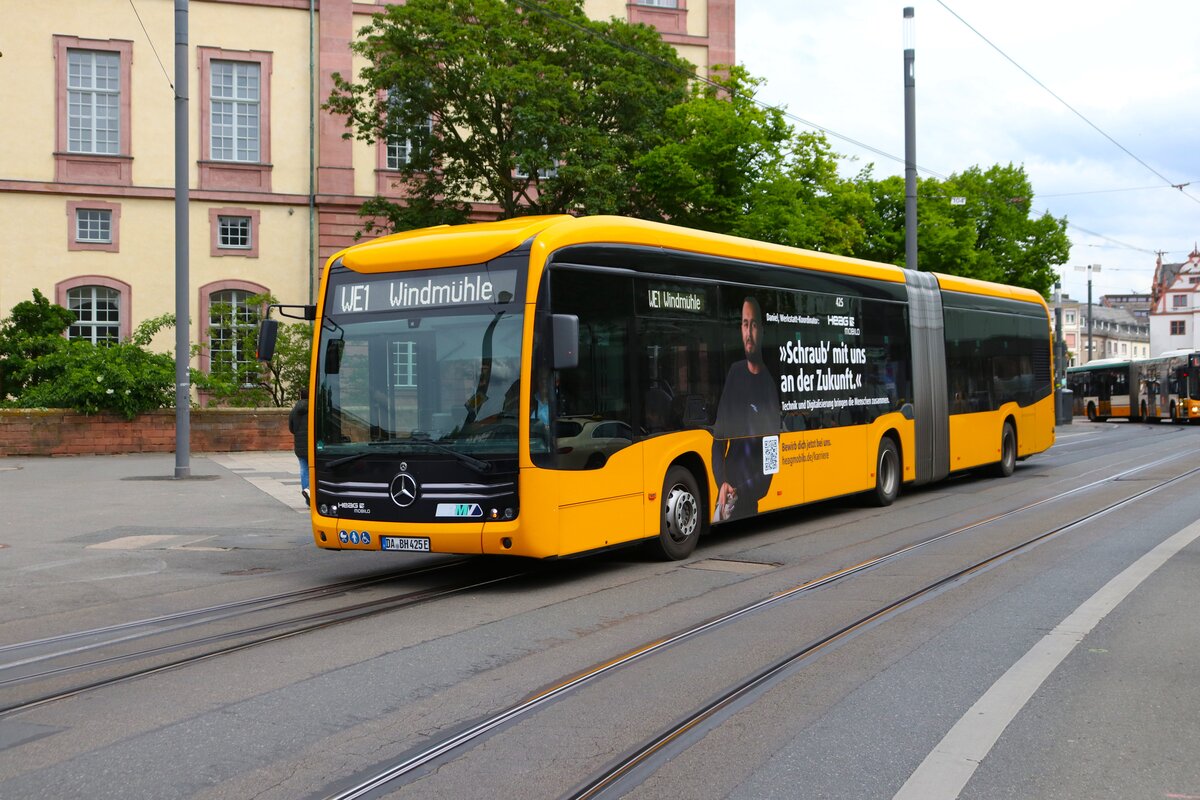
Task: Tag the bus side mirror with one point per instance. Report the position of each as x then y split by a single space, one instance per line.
333 356
566 341
268 330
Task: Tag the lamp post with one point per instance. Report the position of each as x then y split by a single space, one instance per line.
1090 269
910 141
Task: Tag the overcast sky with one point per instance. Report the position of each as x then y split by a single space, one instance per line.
1132 69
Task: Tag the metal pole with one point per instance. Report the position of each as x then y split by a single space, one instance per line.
910 142
1089 314
183 389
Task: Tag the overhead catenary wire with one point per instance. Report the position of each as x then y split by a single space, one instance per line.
532 5
153 49
1170 183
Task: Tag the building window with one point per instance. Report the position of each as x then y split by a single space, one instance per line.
235 119
400 150
93 102
233 232
1179 301
543 173
101 306
404 364
400 146
1178 327
1070 318
97 311
234 108
92 118
93 225
233 323
669 17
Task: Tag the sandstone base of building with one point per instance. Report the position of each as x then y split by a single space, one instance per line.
59 432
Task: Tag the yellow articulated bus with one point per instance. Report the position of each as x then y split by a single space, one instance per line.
552 386
1166 387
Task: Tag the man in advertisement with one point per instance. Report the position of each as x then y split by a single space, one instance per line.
748 410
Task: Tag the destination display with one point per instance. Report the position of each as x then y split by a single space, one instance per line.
419 291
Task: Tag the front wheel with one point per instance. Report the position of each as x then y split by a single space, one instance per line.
682 519
1008 452
887 474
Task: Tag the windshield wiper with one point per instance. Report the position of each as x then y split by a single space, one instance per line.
479 465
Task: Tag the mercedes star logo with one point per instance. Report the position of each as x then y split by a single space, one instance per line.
403 490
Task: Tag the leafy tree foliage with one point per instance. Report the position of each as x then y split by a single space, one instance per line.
44 369
532 106
233 378
41 368
32 331
733 166
991 235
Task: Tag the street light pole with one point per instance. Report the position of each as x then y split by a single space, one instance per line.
910 141
1090 269
183 389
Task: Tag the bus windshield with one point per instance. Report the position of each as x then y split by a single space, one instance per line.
419 383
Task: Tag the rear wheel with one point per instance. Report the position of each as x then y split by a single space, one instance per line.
1008 452
682 518
887 474
1091 412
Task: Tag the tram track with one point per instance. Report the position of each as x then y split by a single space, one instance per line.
643 759
41 668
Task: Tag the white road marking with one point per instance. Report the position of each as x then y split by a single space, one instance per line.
946 770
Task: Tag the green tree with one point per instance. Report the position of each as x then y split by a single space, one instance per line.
288 371
732 166
532 106
991 234
45 369
234 377
32 331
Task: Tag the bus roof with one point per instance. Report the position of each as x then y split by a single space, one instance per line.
460 245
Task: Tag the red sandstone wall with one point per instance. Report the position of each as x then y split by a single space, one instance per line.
54 432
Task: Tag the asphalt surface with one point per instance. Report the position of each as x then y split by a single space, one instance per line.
95 540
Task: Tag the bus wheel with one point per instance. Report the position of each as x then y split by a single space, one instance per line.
887 474
682 518
1091 412
1008 452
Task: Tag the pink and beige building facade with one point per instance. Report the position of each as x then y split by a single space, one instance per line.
87 177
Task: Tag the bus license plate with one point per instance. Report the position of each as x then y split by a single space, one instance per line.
417 544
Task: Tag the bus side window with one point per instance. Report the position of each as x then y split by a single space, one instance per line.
597 391
680 367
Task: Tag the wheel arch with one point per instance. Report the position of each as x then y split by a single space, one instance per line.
693 463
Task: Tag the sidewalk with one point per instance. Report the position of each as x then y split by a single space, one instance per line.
274 472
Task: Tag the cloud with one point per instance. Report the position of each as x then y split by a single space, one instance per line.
1131 69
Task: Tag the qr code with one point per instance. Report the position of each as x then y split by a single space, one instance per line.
770 455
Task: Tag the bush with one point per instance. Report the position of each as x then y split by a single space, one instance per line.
122 378
27 337
40 368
